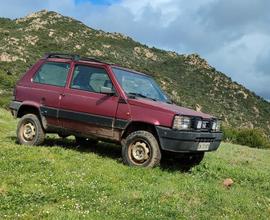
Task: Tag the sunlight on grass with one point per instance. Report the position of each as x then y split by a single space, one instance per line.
61 180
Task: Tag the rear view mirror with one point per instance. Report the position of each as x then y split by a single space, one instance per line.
107 90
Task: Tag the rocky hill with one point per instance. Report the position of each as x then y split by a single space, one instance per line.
188 79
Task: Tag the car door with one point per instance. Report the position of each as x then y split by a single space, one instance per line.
84 109
47 86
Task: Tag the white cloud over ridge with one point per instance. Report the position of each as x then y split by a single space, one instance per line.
234 36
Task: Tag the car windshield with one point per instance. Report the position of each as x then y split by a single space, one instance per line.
138 85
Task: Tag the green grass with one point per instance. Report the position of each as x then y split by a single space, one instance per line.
62 181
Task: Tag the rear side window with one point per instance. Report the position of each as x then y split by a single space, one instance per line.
90 79
52 74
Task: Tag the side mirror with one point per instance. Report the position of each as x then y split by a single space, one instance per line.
106 90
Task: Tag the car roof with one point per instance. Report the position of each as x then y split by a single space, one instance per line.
74 57
54 57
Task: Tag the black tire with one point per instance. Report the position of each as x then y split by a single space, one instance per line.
141 149
84 142
30 131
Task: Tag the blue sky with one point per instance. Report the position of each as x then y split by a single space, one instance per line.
97 2
234 36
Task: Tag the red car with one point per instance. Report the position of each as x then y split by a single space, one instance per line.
94 100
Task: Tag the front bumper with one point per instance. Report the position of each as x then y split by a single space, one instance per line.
187 141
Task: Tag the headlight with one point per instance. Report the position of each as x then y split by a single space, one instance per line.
216 125
181 122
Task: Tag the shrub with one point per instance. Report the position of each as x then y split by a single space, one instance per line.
229 134
246 136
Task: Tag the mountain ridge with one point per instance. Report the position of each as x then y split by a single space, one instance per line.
188 79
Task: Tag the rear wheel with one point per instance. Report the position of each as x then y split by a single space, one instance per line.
30 131
141 149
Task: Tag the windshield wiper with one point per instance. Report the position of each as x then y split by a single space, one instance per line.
134 94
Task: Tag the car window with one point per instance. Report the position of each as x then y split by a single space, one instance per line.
90 79
139 84
52 74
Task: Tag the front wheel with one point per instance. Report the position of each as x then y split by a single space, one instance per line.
141 149
30 131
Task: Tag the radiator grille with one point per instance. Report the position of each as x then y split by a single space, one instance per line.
208 140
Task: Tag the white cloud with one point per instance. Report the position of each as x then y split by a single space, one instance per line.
167 11
240 59
233 35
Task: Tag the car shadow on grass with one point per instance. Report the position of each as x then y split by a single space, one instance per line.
12 139
103 149
174 165
107 150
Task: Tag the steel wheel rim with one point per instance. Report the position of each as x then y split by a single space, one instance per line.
28 131
139 152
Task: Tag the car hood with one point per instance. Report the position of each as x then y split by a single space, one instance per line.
168 108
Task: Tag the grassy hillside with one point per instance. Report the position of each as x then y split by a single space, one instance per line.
188 79
62 181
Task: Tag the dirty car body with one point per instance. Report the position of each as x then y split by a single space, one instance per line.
90 99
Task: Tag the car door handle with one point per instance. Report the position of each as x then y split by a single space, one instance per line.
62 94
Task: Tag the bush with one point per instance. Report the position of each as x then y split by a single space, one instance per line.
229 134
246 136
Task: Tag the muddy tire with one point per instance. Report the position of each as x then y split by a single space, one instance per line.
141 149
30 131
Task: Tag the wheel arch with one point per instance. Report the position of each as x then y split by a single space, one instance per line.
28 108
140 125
